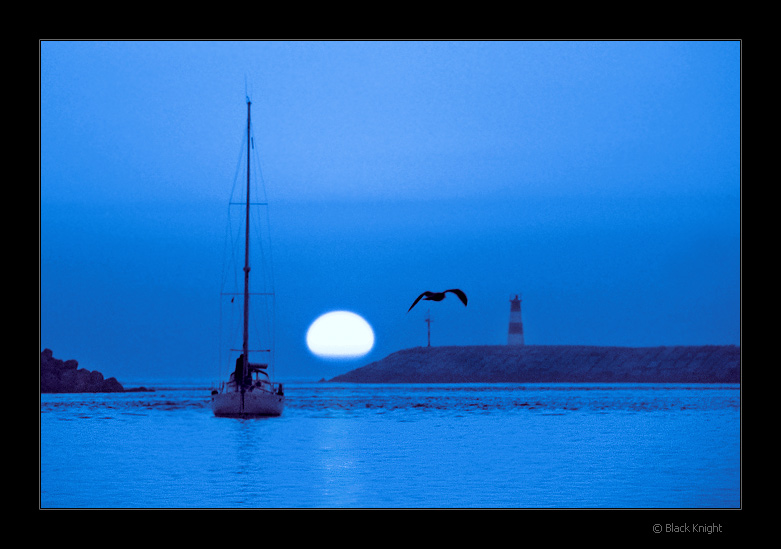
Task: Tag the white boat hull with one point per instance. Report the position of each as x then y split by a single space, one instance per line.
257 403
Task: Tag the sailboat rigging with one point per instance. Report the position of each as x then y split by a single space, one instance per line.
249 391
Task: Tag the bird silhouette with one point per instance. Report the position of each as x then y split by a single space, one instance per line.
438 296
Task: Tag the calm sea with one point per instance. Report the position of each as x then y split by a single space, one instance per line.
390 446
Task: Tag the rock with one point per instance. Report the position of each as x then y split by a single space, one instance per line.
141 389
65 376
553 363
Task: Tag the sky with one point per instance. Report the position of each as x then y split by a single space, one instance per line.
601 181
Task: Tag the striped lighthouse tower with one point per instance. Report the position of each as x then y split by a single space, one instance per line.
515 330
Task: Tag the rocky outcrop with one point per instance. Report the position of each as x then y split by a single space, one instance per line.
65 376
553 363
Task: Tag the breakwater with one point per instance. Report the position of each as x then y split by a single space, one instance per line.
553 363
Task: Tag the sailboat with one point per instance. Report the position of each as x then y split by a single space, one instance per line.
249 391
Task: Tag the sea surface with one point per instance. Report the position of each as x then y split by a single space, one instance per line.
528 446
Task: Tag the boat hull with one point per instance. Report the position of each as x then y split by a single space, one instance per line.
248 404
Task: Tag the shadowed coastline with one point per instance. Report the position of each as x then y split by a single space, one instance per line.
65 376
553 363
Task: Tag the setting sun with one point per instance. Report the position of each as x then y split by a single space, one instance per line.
340 334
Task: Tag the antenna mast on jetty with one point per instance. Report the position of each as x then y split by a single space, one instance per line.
427 320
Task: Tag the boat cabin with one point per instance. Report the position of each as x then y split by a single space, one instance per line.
257 377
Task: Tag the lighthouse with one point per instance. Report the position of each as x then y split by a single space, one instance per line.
515 330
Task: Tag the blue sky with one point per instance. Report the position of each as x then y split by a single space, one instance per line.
601 180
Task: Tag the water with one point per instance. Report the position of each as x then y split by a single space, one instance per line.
388 446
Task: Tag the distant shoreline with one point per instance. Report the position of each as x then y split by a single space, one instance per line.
553 363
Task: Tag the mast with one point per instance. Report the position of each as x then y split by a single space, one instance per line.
245 343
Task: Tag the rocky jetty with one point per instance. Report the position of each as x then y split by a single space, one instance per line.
65 376
553 363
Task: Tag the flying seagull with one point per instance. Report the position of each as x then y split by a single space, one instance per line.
438 296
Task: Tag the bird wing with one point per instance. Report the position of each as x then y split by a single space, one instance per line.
461 295
416 301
